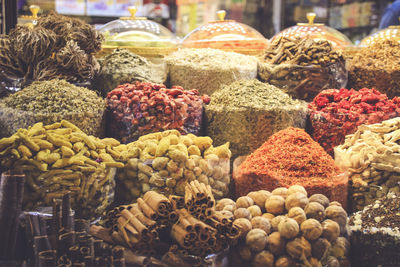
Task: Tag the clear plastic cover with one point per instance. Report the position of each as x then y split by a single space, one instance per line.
391 33
317 32
227 35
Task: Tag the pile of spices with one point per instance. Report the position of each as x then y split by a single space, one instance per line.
123 66
246 113
371 157
337 113
208 69
302 67
375 233
377 66
166 161
141 108
58 47
49 102
288 227
60 158
291 157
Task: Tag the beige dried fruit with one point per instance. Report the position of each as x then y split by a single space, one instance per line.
280 191
242 213
311 229
230 208
332 262
330 230
244 202
288 228
224 202
227 214
314 262
321 199
315 210
259 197
337 214
296 200
298 247
275 204
256 240
296 188
245 253
341 247
275 222
268 216
285 261
261 223
320 247
276 243
335 203
263 259
244 226
297 214
254 210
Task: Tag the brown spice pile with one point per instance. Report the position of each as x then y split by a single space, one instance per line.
377 66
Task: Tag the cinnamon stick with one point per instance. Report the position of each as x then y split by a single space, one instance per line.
147 210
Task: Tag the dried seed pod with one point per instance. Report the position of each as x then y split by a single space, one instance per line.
337 214
321 199
297 214
256 239
311 229
259 197
335 203
275 222
315 210
242 213
244 202
314 262
275 204
263 259
296 188
330 230
254 210
320 247
276 243
288 228
280 191
245 253
230 208
332 262
341 247
261 223
285 261
268 216
297 247
296 200
224 202
244 226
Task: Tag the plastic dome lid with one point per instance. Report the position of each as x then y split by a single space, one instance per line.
315 31
226 35
390 33
138 34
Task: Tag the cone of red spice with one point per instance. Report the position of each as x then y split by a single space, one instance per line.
291 157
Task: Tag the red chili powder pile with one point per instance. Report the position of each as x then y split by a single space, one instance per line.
291 157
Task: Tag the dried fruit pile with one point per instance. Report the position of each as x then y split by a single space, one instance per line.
58 47
285 227
287 158
302 67
166 161
375 234
371 157
142 108
377 66
337 113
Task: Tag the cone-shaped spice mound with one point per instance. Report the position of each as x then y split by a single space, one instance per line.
287 158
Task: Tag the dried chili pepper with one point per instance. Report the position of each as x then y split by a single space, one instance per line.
142 108
337 113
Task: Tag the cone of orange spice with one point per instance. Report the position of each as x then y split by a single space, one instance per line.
291 157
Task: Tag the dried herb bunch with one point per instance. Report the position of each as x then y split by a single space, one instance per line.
58 47
302 67
377 66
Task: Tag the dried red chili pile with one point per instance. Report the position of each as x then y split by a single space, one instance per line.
337 113
287 158
143 108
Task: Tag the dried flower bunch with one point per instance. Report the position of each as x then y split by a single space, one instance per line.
58 47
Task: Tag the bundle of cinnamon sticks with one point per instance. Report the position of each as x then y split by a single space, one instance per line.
199 199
